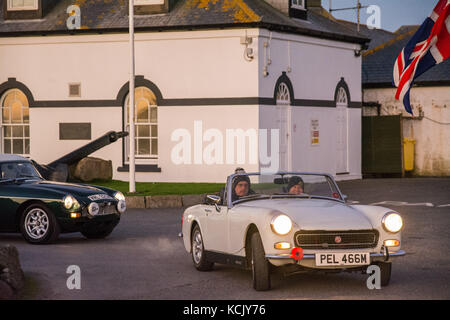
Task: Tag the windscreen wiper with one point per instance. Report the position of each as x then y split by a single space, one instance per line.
283 195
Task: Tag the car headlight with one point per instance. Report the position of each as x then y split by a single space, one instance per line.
281 224
392 222
119 196
93 208
70 202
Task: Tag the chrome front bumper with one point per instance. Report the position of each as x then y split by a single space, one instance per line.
312 256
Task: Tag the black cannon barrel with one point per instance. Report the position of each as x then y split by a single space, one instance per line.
91 147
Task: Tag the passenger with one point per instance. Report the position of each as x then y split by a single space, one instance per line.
295 185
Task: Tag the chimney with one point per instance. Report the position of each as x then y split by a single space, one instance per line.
282 5
292 8
316 7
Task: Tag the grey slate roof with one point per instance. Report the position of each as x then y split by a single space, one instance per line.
378 64
376 36
112 16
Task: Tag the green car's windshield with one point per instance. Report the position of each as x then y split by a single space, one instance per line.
11 171
295 185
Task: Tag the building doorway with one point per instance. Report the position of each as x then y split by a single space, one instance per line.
342 131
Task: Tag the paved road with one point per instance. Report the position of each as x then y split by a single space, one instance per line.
144 258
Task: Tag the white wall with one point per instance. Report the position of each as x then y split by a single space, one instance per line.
182 64
211 117
315 67
432 133
320 157
200 64
44 131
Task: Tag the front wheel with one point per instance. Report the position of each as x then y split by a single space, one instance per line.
198 251
38 224
260 265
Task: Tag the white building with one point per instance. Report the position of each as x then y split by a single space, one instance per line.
206 70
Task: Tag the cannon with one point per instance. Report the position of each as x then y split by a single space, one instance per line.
58 170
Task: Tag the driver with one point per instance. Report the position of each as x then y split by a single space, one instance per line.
241 186
295 185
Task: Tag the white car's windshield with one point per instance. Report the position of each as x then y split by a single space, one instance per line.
252 186
18 170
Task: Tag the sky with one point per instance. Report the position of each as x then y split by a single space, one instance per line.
393 13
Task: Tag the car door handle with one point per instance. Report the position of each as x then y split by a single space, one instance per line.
208 210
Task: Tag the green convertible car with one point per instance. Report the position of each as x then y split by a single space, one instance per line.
41 210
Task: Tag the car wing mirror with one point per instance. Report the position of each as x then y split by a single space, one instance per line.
212 199
215 200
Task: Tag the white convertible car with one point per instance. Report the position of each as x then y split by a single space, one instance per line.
298 221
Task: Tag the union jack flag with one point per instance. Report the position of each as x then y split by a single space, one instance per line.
429 46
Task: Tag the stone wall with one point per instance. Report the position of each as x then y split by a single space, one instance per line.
11 274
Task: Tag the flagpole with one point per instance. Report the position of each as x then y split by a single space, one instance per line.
132 182
358 8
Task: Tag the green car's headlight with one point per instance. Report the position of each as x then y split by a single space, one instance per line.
392 222
281 224
119 196
70 202
121 206
93 209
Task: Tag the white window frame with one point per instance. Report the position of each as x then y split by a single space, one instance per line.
283 94
284 109
33 7
342 97
12 125
140 159
298 4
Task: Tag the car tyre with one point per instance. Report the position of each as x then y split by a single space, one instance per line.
38 224
260 265
198 251
385 270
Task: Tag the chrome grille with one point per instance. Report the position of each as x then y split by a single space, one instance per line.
107 208
336 239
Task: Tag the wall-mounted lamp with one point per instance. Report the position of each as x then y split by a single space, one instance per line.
248 52
359 52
